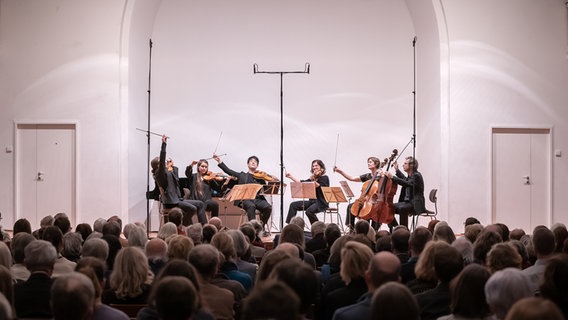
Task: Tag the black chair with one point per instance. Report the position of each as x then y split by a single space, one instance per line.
432 214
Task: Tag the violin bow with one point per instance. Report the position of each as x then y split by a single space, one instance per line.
218 141
336 147
150 132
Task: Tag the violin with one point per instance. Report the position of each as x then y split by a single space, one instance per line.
212 176
261 175
317 174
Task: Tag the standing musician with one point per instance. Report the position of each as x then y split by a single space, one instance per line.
169 182
259 202
311 206
373 163
411 200
203 184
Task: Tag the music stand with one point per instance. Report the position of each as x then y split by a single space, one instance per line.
346 189
270 189
240 192
334 195
303 190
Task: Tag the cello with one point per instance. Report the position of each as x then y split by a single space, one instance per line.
383 212
363 206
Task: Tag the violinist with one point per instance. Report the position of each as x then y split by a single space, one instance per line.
311 206
203 184
259 203
168 181
411 200
373 164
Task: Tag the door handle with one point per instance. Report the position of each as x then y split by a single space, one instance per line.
527 179
39 176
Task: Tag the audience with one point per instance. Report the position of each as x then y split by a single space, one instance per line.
318 274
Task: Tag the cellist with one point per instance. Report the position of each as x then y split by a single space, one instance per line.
373 164
411 200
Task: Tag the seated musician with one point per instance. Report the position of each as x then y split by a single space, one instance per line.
373 164
203 184
311 206
411 200
259 203
169 182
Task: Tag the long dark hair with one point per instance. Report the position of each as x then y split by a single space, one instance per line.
321 164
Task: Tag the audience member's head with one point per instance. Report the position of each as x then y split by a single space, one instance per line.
168 229
95 270
217 222
465 248
54 235
554 285
84 229
112 227
299 221
205 259
95 247
130 273
534 308
317 228
72 246
384 267
72 297
63 223
99 224
19 243
432 224
137 236
418 239
292 249
472 231
504 231
504 288
425 269
179 247
241 244
269 261
156 250
468 293
444 233
117 220
470 221
503 255
5 255
209 230
516 234
175 298
560 235
175 216
400 240
448 263
355 259
300 278
393 301
271 300
22 225
331 233
294 234
362 227
483 244
543 242
224 243
195 232
114 247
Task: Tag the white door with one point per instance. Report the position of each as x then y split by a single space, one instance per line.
45 171
521 177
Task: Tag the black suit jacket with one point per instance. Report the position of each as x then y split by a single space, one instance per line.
416 183
32 297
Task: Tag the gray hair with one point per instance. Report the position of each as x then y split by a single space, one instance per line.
504 288
465 248
95 247
299 221
137 237
241 244
99 224
40 255
317 228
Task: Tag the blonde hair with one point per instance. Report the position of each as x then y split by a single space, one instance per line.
130 272
355 259
179 247
425 269
225 244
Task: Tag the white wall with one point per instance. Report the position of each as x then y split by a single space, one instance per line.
478 64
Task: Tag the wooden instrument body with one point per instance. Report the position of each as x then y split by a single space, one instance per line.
364 206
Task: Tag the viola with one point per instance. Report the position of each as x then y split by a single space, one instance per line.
261 175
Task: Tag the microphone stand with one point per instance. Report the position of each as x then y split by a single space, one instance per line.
414 98
148 132
281 73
